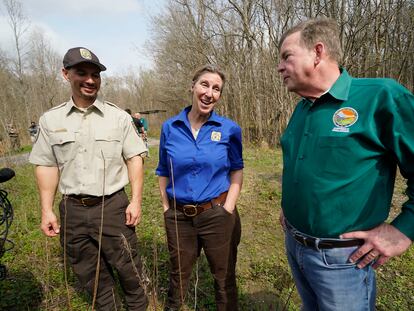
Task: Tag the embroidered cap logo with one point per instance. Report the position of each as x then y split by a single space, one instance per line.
85 54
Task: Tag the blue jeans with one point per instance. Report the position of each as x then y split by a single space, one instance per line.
327 281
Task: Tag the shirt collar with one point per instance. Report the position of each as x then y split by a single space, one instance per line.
98 104
340 89
182 117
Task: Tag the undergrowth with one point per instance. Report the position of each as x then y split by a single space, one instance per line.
35 271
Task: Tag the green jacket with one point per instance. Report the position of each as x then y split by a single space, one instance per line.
340 157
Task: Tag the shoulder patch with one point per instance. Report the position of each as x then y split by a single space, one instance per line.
37 135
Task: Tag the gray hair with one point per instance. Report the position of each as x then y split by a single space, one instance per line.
323 30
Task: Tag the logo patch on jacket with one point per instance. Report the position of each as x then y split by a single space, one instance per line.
344 118
215 136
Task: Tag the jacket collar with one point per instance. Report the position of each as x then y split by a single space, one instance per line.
183 117
340 89
98 104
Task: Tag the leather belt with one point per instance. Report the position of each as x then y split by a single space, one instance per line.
90 200
321 243
191 210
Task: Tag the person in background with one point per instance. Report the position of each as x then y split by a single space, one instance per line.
341 150
89 148
33 129
13 136
137 123
143 121
144 129
200 173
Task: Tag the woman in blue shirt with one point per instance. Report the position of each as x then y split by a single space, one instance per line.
200 177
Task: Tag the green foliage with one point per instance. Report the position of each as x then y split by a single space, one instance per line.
21 150
35 269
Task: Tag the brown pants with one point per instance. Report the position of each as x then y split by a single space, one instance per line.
218 233
81 232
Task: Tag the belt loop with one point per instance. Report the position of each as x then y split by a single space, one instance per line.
317 240
305 241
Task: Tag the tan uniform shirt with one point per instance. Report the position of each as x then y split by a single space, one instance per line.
89 146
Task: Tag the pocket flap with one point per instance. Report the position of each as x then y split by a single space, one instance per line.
61 138
109 135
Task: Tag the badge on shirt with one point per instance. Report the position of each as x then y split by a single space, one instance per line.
344 118
215 136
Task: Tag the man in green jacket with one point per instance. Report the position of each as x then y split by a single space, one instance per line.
341 150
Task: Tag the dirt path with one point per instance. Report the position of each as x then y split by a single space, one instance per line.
20 159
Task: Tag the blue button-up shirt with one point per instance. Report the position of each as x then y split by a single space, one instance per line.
201 167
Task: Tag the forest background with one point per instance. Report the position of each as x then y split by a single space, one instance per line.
241 36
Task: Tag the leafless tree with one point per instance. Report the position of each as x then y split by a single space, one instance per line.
242 37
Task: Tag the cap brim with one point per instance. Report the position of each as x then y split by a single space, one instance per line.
99 65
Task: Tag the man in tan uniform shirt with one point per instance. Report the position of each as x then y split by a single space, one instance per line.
89 149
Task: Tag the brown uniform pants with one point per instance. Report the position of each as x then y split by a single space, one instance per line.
218 233
81 232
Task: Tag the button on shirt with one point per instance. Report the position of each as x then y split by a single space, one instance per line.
88 146
340 155
201 167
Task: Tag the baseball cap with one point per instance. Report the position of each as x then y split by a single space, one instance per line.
79 55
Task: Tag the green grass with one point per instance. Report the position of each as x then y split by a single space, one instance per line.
21 150
35 279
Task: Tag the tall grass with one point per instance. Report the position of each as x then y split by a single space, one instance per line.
36 267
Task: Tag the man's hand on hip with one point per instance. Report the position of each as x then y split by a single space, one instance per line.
381 243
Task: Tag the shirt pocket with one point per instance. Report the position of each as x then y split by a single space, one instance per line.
109 143
337 156
63 145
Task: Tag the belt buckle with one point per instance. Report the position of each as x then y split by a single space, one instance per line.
83 201
190 210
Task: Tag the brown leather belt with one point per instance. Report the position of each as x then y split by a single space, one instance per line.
323 243
191 210
90 200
